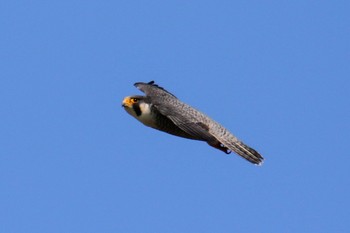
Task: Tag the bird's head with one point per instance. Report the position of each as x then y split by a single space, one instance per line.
140 108
135 105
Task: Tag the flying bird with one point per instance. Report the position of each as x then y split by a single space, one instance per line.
161 110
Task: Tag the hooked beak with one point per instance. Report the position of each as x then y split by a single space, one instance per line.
126 102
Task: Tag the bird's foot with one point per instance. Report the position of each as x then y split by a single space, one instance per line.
221 147
225 149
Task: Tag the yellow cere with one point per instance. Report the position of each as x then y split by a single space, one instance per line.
127 101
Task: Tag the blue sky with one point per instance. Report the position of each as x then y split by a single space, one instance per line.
275 73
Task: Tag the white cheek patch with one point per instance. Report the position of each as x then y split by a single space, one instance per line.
145 109
146 115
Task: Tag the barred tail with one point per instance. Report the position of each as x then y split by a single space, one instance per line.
245 151
231 143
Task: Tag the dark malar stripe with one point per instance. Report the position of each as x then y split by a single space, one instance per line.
137 109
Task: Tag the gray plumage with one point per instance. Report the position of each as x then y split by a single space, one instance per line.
169 114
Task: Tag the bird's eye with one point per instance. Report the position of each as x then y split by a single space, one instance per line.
134 100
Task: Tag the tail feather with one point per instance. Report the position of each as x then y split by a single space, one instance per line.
239 148
245 151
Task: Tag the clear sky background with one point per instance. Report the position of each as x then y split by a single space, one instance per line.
275 73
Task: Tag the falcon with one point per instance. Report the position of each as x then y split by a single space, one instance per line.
161 110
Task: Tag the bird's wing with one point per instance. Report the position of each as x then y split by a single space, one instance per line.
196 129
153 90
169 106
183 116
199 125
